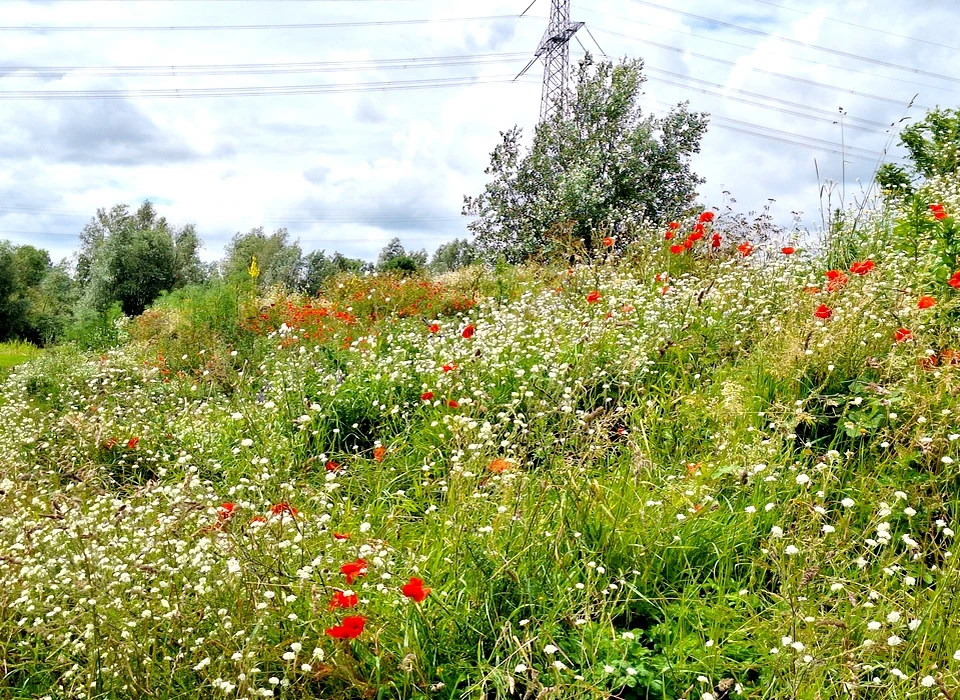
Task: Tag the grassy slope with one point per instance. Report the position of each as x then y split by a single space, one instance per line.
689 487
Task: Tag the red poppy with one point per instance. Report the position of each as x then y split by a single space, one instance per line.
449 367
663 292
281 508
902 334
669 235
927 362
132 442
674 225
950 357
343 600
353 569
788 250
688 244
745 249
608 242
111 443
434 327
938 213
593 297
258 519
453 403
662 277
823 311
341 536
837 280
715 241
468 331
677 249
695 236
426 396
351 628
926 302
862 268
706 217
225 510
810 289
332 466
955 280
378 453
414 589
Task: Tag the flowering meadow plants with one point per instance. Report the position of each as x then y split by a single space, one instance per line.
729 471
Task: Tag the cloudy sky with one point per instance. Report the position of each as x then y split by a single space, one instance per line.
351 135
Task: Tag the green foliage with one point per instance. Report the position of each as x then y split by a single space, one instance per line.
16 352
131 258
602 166
280 261
318 268
98 330
933 149
395 259
454 255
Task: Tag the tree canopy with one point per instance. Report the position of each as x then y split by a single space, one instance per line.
601 163
933 149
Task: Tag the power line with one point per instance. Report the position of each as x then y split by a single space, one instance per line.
218 27
860 26
261 68
805 81
811 61
774 108
832 114
254 91
797 42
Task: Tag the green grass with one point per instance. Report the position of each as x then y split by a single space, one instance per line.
15 352
703 491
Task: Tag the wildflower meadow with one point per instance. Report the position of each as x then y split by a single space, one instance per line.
705 462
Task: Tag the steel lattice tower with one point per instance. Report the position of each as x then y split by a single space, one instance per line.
554 51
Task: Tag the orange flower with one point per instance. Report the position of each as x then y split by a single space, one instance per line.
788 250
745 249
862 268
332 466
468 331
955 280
341 536
426 396
669 235
281 508
938 213
434 327
674 225
499 466
926 302
132 442
706 217
593 297
902 334
378 453
677 249
608 242
343 600
823 311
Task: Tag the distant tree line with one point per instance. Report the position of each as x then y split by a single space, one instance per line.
128 258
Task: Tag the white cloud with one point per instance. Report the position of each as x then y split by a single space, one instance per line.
348 171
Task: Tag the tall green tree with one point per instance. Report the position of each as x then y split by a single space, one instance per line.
453 255
280 261
130 258
395 258
933 149
318 268
600 163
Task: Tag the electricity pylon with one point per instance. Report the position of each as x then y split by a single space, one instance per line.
554 51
